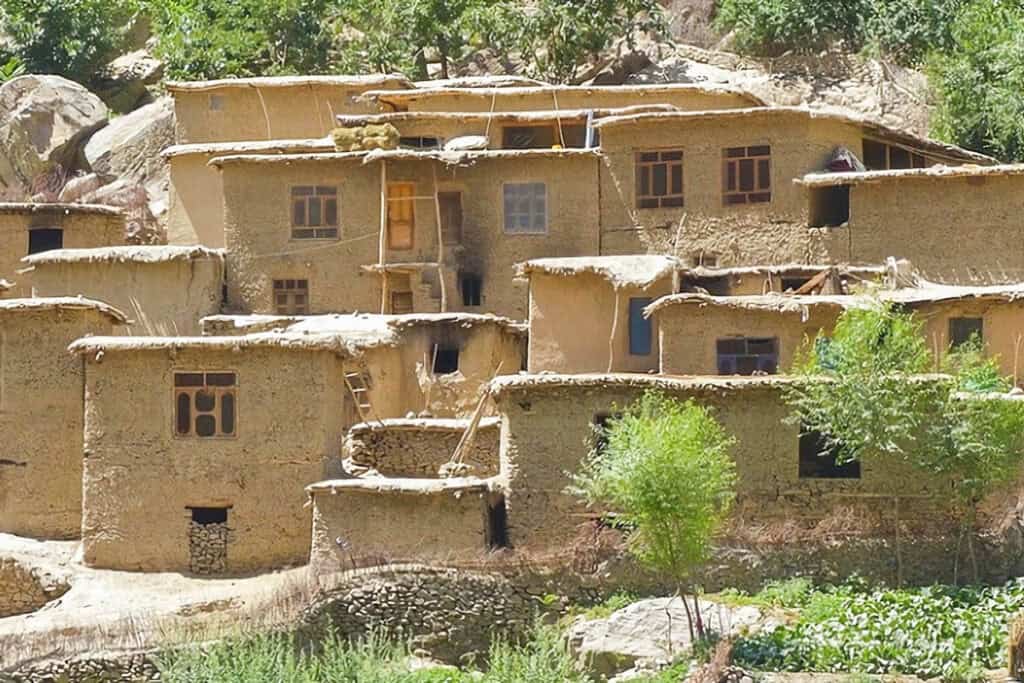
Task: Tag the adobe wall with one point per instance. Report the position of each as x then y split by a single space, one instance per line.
486 250
574 325
260 248
195 213
689 333
82 229
257 215
953 230
266 113
744 234
139 477
161 298
597 98
1002 329
41 421
379 527
546 432
418 448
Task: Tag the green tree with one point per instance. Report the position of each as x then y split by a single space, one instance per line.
665 470
862 389
72 38
201 39
979 82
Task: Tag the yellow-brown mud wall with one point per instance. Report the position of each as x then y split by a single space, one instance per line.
689 333
745 234
166 298
1002 329
584 99
952 230
547 431
572 321
196 213
41 421
402 380
258 230
387 527
292 112
139 477
81 231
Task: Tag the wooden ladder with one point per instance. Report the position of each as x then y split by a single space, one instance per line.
356 383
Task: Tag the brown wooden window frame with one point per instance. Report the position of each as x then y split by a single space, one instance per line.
734 162
314 212
647 163
291 289
219 385
913 159
402 302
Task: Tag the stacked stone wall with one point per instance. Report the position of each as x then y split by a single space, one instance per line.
420 451
208 548
24 589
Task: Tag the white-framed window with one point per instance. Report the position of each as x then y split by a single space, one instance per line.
526 208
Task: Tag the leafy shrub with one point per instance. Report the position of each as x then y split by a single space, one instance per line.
979 81
938 631
200 39
72 38
544 658
789 593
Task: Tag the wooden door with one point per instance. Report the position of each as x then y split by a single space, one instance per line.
451 217
401 215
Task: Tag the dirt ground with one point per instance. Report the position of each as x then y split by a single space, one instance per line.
112 610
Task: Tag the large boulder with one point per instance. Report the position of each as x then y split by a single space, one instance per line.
130 146
122 83
43 120
650 631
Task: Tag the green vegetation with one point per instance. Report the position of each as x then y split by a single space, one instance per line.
857 392
954 633
543 658
12 68
665 470
68 37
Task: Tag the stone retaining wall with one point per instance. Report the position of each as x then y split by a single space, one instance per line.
24 589
419 447
119 667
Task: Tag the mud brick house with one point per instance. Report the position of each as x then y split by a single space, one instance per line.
32 228
164 289
587 314
41 412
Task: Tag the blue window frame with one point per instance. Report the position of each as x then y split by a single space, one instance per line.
640 328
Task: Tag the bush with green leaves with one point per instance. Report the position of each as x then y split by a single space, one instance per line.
979 80
202 39
71 38
903 30
666 472
955 633
861 388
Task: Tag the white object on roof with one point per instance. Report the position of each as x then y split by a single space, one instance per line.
464 143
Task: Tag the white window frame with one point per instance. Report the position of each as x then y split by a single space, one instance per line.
508 216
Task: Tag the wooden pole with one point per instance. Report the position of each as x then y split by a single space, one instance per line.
383 235
440 242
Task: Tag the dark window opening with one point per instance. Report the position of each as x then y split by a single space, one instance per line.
963 330
497 523
314 212
291 297
748 356
45 239
446 360
818 461
472 290
794 283
659 179
641 330
574 135
746 175
601 421
204 516
401 303
204 404
879 156
450 206
419 142
829 206
528 137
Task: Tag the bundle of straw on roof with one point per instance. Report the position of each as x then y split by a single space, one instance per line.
359 138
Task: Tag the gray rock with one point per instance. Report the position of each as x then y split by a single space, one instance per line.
80 186
43 120
130 146
654 629
122 83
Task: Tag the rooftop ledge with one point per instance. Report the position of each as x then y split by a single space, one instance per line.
397 485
